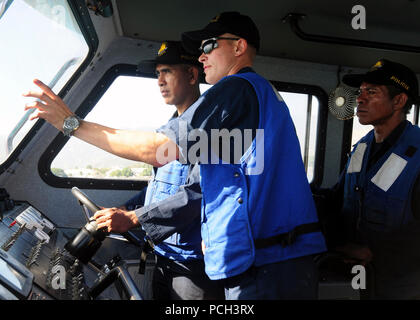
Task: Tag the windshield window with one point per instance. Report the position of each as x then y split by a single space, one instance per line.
140 107
39 39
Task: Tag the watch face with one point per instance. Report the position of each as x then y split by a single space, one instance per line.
71 123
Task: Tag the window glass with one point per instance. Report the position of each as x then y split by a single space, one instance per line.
306 128
40 39
135 103
132 103
410 116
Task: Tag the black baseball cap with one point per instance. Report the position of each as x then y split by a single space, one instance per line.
170 52
226 22
385 72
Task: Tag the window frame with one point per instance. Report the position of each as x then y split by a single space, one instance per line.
321 133
416 111
44 165
81 15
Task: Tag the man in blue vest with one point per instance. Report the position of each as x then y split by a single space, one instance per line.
258 222
179 270
380 185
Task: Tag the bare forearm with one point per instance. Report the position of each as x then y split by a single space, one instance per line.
133 145
153 148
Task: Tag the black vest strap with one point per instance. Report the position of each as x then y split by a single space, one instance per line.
288 238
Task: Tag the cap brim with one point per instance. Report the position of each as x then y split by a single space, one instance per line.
355 80
200 35
192 40
149 66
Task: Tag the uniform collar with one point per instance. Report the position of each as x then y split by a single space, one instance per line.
396 133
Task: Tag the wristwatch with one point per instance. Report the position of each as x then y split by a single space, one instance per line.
71 124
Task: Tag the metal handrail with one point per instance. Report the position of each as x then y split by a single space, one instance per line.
4 6
123 277
294 18
25 117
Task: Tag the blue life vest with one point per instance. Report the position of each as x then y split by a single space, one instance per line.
266 194
377 212
379 199
184 245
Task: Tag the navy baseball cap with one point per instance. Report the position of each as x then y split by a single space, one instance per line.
385 72
226 22
170 52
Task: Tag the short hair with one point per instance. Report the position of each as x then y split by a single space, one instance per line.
394 91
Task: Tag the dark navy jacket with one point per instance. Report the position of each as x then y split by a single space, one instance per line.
377 211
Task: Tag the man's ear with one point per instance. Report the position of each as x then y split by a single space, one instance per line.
241 46
399 101
193 75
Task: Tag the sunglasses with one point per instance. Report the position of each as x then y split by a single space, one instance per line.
210 44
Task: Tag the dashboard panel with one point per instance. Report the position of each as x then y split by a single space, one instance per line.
34 264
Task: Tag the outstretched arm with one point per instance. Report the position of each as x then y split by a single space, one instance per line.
149 147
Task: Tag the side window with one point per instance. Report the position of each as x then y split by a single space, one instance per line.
304 109
132 103
38 38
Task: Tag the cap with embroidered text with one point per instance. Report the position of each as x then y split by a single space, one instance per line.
385 72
